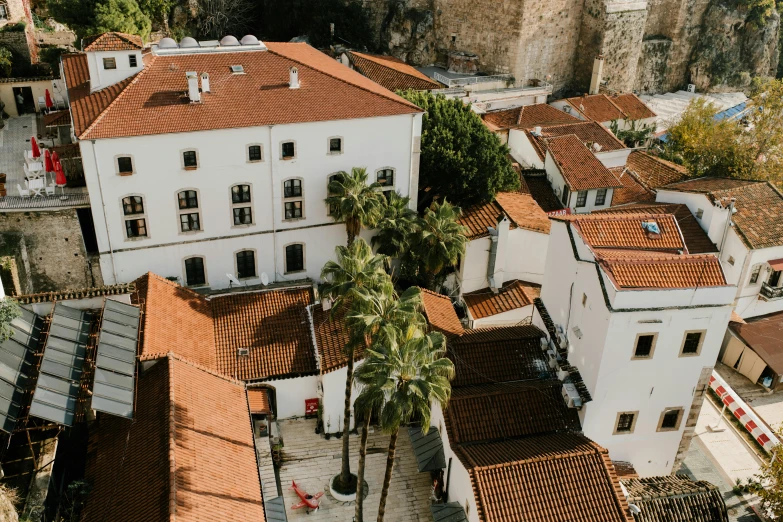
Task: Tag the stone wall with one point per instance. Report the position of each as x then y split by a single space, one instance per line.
16 42
48 250
693 416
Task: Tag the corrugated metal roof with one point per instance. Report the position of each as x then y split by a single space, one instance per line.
450 512
428 449
275 510
16 358
116 361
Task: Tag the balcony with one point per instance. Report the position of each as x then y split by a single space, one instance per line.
770 292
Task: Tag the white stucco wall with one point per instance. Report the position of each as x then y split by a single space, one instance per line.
749 303
713 219
614 158
522 150
374 143
100 77
291 394
509 318
566 107
333 399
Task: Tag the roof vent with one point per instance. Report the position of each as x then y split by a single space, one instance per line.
188 43
294 80
243 351
536 131
249 39
167 43
237 69
193 92
229 41
596 147
204 82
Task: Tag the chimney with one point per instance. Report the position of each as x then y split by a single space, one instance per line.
497 253
294 82
598 71
537 131
204 82
193 92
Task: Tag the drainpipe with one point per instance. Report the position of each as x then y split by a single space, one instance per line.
493 253
103 205
272 196
413 198
726 228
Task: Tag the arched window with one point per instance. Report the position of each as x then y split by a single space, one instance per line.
385 177
134 216
188 210
246 264
332 177
293 199
241 205
294 258
195 271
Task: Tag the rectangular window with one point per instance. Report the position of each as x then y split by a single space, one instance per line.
125 165
335 145
292 188
566 195
754 276
699 213
600 197
240 194
625 422
132 60
109 63
289 150
692 343
189 159
136 228
644 346
133 205
243 216
194 271
581 198
254 153
189 222
774 278
3 12
246 264
670 419
188 199
731 260
293 209
294 258
386 177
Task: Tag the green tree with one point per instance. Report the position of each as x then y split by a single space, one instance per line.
352 200
356 268
396 228
6 61
410 368
90 17
460 158
636 136
9 310
439 242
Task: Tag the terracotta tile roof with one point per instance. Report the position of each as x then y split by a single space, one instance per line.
514 294
659 498
632 106
632 191
331 336
763 335
392 73
523 211
624 469
480 216
499 354
258 400
696 239
507 410
155 101
564 478
625 231
759 217
53 119
112 42
597 107
661 270
175 319
275 328
526 116
578 165
538 187
440 313
178 458
654 172
589 132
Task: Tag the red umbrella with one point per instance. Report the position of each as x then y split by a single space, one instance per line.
36 150
48 164
49 103
59 179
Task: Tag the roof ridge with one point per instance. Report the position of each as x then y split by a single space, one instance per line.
546 458
185 360
397 99
627 116
172 445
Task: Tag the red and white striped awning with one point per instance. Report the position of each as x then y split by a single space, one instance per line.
743 413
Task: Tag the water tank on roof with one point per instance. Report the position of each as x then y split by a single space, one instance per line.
229 40
167 43
188 42
249 39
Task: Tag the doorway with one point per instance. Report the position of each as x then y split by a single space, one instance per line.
25 102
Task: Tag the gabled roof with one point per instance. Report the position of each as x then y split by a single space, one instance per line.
653 171
597 107
331 336
526 116
578 165
659 499
391 73
539 188
759 217
626 230
178 459
440 313
113 41
632 191
521 209
155 100
632 106
588 132
764 335
513 295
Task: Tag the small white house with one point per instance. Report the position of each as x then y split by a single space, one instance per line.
506 306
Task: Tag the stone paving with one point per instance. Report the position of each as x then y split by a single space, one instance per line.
312 461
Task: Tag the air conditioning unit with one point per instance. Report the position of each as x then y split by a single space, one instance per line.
691 87
571 396
243 351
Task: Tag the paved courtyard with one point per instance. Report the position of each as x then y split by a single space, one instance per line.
312 461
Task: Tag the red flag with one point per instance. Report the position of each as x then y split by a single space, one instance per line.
48 164
36 150
49 103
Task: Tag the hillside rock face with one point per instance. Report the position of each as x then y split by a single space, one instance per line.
732 49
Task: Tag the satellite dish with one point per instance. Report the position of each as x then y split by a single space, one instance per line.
232 281
264 279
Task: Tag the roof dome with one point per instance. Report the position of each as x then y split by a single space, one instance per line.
228 41
167 43
249 39
188 42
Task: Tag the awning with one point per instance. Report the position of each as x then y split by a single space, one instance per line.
451 512
258 400
428 449
55 119
776 264
275 510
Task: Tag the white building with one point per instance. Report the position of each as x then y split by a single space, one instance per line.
643 320
209 160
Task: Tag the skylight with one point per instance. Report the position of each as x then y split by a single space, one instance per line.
237 69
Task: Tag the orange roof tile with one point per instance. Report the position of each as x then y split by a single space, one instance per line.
632 106
273 325
662 270
647 174
514 294
440 313
392 73
538 186
480 216
155 100
589 132
526 116
597 107
188 454
112 41
258 400
331 336
53 119
632 191
625 231
578 165
523 211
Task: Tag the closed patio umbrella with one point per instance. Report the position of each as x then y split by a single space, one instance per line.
49 103
36 150
48 164
59 178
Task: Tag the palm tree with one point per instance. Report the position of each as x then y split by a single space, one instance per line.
440 240
356 268
396 228
409 368
369 400
352 200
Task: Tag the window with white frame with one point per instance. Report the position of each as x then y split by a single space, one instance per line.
255 153
600 197
294 258
134 216
335 145
195 273
581 198
385 178
241 207
188 207
293 198
246 264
